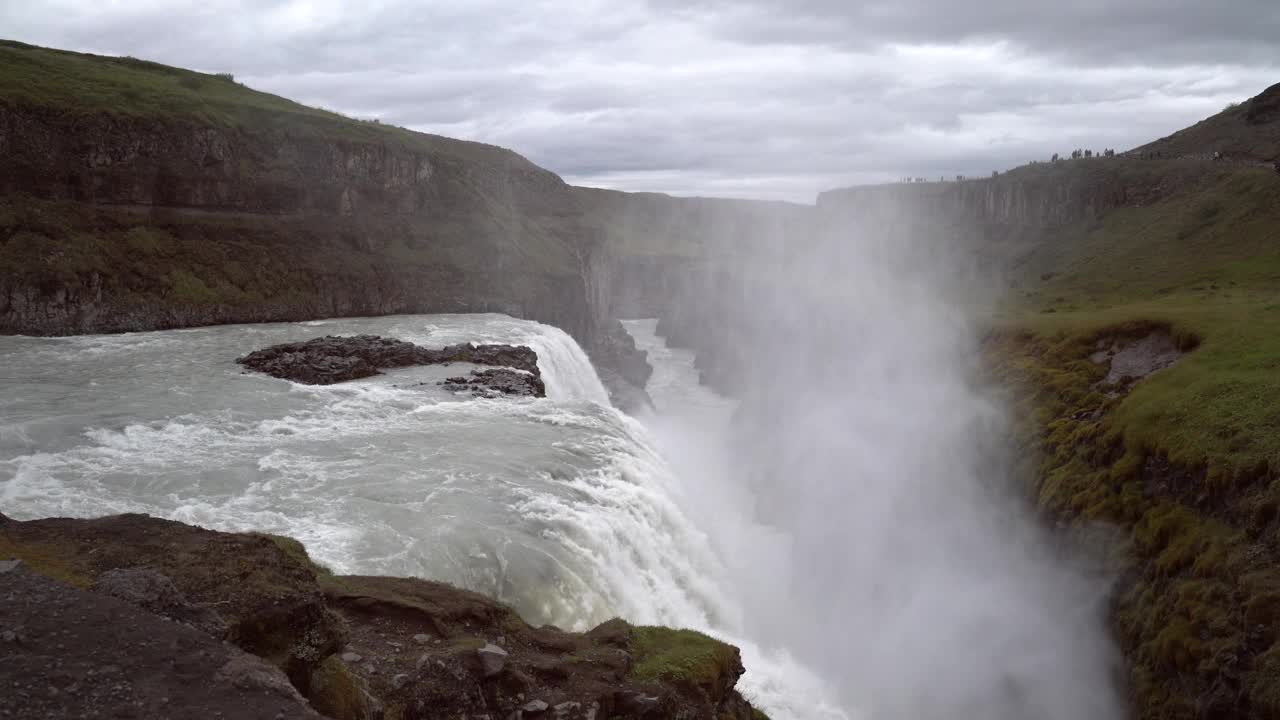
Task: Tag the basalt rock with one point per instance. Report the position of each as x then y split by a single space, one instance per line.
82 654
258 592
333 359
497 383
403 648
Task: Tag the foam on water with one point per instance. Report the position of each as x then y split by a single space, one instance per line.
562 506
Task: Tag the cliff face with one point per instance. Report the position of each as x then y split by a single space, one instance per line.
683 261
1026 198
105 158
136 196
132 224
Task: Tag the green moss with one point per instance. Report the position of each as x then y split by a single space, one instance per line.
52 560
149 241
682 656
188 288
73 83
1179 615
1201 261
337 693
298 552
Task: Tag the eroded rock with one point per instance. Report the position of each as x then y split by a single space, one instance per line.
333 359
91 655
1134 359
498 382
309 624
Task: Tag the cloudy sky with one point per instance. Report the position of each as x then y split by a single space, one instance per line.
753 98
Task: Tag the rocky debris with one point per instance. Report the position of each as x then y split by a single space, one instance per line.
496 383
9 565
357 648
334 359
1133 359
90 655
565 710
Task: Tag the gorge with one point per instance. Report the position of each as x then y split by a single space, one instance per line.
864 441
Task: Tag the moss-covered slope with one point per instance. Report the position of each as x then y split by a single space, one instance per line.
1185 461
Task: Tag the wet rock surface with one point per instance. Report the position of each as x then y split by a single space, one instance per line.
332 359
498 382
144 643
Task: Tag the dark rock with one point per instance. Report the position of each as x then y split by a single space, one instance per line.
614 632
264 587
549 667
91 655
333 359
276 604
496 383
624 395
615 349
155 592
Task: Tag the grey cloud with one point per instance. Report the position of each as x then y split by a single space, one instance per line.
762 98
1085 31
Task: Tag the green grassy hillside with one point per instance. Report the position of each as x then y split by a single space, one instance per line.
1249 130
72 83
1204 261
1187 461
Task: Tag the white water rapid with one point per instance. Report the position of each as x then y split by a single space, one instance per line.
561 506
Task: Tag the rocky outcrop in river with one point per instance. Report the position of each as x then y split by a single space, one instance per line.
332 359
154 617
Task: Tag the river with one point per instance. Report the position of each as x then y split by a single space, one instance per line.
564 507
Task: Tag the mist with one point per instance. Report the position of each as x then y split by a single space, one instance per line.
862 492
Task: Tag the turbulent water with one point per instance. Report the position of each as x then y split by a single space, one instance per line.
563 507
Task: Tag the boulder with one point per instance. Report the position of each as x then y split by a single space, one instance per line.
492 658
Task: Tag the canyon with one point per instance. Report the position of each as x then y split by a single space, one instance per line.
180 199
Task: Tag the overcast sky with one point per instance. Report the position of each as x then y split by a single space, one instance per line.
752 98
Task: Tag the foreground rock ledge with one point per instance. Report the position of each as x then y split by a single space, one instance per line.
333 359
172 613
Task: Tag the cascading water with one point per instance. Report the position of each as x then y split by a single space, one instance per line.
561 506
